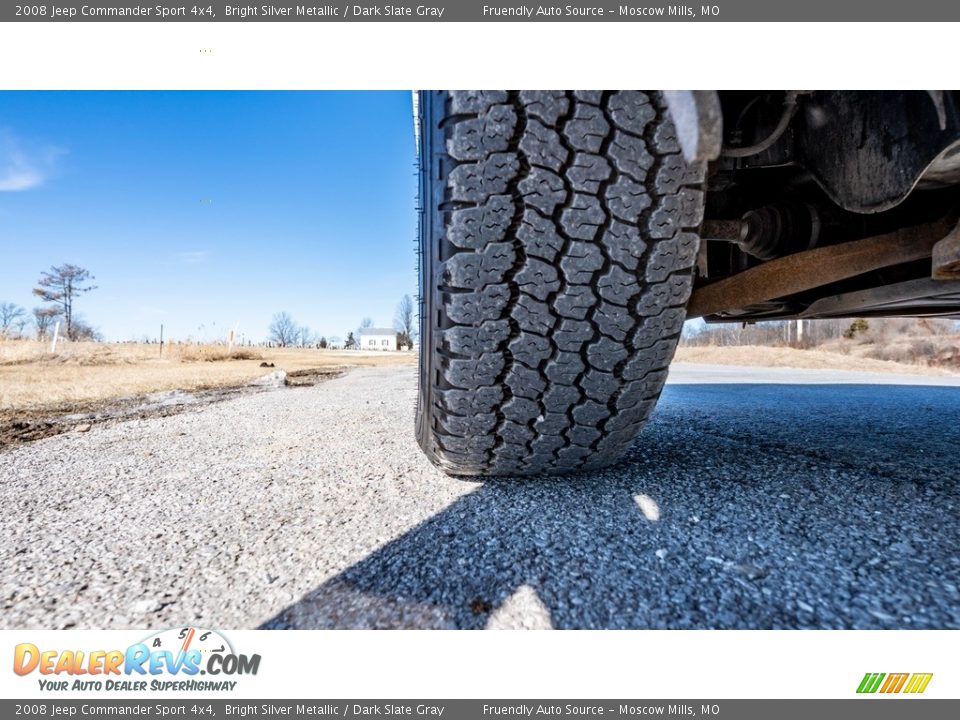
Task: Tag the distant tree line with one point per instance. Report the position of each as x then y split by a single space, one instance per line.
284 331
809 333
59 288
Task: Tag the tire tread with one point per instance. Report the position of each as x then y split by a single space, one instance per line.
561 275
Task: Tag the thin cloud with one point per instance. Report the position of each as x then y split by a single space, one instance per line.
24 168
193 257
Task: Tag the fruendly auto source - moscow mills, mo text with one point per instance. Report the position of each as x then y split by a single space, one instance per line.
611 12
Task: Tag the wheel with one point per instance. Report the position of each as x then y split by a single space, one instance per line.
557 235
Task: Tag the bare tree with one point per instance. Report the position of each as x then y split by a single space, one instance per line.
364 324
404 323
61 286
11 315
305 336
283 330
84 331
43 319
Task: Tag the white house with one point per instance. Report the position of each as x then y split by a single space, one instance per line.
378 339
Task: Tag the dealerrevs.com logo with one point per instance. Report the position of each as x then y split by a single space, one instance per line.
891 683
169 660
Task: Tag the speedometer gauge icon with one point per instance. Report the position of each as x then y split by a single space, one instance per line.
181 640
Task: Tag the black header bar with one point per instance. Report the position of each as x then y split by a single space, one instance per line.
479 11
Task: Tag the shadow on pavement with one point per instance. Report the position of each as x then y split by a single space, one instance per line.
740 506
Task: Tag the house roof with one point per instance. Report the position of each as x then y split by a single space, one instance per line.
377 331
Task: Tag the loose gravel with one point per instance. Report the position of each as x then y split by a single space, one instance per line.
743 505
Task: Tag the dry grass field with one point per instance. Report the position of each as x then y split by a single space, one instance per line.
85 373
81 374
42 393
850 358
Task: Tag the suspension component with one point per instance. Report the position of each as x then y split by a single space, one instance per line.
770 232
814 268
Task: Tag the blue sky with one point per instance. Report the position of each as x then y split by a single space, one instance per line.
200 210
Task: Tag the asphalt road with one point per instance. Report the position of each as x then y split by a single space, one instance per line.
755 498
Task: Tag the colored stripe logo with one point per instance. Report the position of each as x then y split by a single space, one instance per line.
913 683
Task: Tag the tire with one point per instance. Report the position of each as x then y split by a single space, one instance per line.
557 235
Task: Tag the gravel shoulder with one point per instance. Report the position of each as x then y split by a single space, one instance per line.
763 503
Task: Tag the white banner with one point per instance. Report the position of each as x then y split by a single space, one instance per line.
459 664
